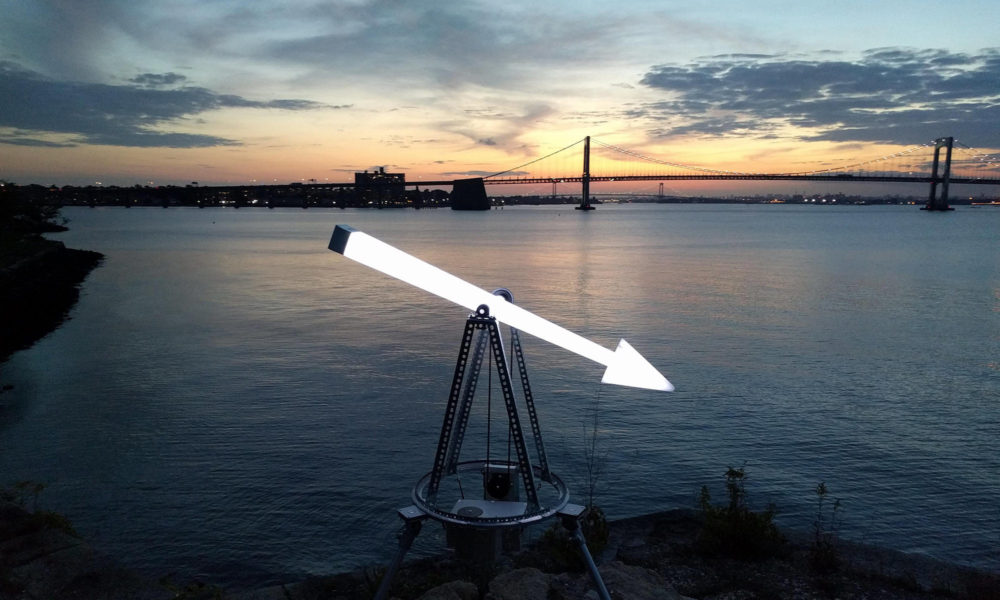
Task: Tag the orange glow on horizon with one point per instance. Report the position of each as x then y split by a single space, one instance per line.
282 150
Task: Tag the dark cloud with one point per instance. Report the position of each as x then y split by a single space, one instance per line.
115 115
892 95
158 79
19 140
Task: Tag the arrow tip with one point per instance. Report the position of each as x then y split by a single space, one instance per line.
629 368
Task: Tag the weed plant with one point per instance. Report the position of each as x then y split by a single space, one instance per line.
823 555
735 531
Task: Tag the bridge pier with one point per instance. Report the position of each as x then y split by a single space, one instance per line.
935 202
585 201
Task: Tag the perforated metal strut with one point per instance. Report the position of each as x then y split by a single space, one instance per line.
529 402
529 398
444 441
459 403
465 407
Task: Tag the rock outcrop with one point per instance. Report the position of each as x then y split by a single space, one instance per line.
39 283
42 559
622 581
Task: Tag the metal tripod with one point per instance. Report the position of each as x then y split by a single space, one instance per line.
497 512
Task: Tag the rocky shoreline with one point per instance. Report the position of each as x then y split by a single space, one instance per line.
647 558
39 284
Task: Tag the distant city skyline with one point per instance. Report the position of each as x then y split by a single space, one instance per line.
158 93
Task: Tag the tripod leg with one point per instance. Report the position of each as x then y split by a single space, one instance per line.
571 521
414 521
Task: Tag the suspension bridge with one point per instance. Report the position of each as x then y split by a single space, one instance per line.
940 163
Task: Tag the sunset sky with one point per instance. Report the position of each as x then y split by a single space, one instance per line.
139 91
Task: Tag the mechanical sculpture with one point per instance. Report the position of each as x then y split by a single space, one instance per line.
513 492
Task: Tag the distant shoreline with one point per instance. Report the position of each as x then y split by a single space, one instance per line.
336 196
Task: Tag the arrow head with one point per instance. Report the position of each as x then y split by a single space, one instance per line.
629 368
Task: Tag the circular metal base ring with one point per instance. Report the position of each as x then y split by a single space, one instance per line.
473 518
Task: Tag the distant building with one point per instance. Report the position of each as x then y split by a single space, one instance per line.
379 188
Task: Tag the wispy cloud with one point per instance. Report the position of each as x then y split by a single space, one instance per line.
438 43
134 114
475 173
895 95
503 129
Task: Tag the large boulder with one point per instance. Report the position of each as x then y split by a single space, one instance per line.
520 584
624 582
636 583
454 590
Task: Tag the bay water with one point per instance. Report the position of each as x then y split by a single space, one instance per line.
231 401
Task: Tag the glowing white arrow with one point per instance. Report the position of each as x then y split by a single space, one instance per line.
625 366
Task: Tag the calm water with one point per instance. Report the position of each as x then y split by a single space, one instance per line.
233 401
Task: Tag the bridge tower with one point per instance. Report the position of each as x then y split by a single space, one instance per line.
585 201
934 202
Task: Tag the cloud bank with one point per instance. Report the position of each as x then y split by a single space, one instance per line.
134 114
891 95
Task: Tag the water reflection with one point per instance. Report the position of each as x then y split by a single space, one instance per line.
230 390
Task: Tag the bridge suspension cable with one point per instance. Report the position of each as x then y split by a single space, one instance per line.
643 157
699 169
531 162
984 165
910 164
858 165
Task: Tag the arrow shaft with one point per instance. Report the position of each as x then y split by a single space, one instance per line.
380 256
625 366
522 320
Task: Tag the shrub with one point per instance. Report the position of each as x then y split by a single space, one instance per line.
733 529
